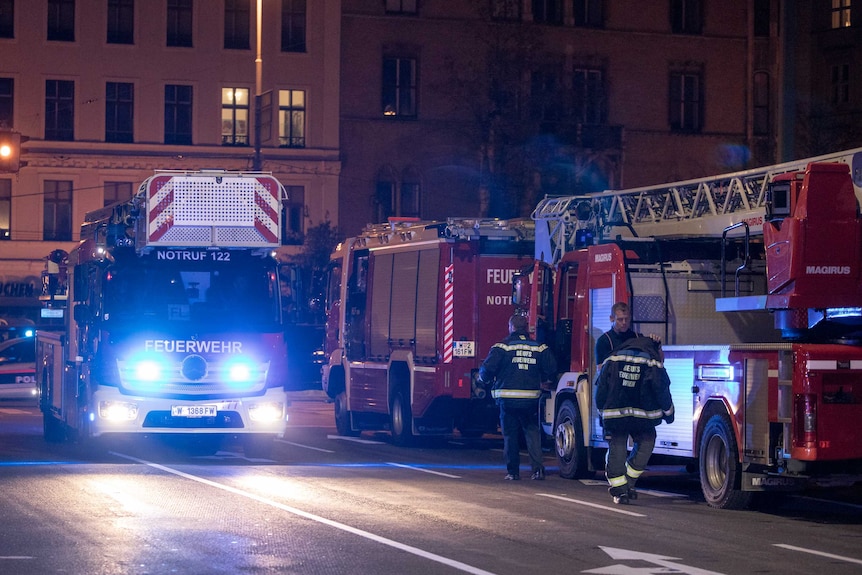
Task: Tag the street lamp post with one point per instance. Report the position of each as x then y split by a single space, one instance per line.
257 162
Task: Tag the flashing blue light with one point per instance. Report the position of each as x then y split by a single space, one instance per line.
148 370
29 333
241 370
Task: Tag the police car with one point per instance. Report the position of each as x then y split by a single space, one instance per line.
18 369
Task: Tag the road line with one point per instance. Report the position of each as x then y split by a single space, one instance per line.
293 510
423 470
304 446
820 553
596 505
355 440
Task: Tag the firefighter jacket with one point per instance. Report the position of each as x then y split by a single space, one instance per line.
520 365
633 388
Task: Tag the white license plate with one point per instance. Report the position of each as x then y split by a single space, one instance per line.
193 410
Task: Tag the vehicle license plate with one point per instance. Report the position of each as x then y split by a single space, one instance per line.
193 410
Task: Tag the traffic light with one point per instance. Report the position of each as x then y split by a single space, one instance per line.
10 151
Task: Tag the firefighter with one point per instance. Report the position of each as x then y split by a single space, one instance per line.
520 366
620 332
633 397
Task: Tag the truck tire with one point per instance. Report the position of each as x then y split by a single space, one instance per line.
401 424
569 442
342 417
720 471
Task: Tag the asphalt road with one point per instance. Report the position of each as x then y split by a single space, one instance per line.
331 505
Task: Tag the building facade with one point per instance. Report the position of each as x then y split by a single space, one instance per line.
480 108
107 91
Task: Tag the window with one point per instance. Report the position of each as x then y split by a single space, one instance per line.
409 203
61 20
7 92
179 23
761 104
840 14
762 18
237 23
685 102
840 82
384 198
293 216
401 6
7 18
685 17
121 21
293 25
588 13
589 96
178 114
291 118
545 102
119 112
506 10
5 209
57 211
60 110
116 192
234 116
399 87
548 11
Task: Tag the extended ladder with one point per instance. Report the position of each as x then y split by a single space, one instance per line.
700 207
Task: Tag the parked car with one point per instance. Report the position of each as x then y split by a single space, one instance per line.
18 369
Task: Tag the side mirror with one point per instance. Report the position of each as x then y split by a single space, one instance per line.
518 290
83 314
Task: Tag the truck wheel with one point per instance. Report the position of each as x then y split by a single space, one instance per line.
720 472
342 417
53 429
569 442
401 424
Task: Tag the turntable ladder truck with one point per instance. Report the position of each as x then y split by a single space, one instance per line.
753 281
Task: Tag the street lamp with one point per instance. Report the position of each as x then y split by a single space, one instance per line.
257 162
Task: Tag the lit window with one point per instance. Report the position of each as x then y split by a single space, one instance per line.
291 118
234 116
840 13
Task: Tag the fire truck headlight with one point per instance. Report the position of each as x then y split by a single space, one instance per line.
266 412
118 410
148 370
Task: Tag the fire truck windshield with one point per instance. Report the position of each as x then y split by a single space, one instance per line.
241 296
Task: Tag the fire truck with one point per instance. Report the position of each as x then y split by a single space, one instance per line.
171 319
752 279
412 309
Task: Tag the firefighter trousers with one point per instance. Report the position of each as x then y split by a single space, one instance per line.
512 419
622 468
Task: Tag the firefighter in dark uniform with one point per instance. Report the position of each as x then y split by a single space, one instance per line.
620 332
633 397
520 366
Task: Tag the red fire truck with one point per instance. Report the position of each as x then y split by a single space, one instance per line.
171 316
754 281
412 309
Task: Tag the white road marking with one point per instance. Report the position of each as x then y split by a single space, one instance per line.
423 470
304 446
312 517
615 509
667 564
819 553
355 440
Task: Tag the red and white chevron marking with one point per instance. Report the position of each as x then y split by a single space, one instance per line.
448 313
203 204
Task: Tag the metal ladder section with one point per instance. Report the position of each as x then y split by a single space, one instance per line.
700 206
410 229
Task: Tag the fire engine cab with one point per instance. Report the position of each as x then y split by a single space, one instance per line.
754 281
